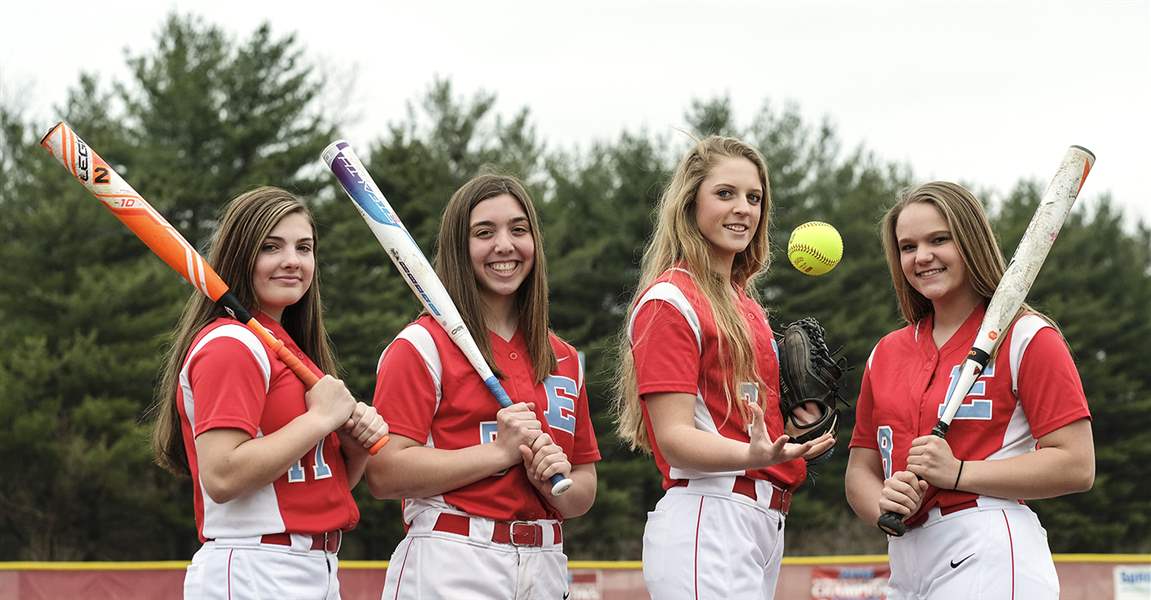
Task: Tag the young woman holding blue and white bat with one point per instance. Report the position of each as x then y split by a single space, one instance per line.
481 517
1022 432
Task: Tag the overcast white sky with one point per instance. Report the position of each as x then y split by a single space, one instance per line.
980 91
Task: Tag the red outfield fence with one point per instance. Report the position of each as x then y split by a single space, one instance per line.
1081 576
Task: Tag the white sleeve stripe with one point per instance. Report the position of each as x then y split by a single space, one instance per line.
674 296
1022 333
425 346
245 336
236 332
580 357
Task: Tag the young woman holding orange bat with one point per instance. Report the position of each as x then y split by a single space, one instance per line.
271 463
1023 432
481 519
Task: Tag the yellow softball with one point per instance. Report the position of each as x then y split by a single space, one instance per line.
814 248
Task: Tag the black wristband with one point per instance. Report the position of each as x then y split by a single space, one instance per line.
958 475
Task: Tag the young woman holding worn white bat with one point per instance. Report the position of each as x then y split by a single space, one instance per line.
1023 432
481 519
699 384
271 464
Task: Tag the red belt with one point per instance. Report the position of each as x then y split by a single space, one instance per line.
328 541
946 510
745 486
516 533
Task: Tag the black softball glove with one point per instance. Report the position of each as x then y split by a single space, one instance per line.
809 373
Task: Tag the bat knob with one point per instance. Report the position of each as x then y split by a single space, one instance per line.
892 524
560 484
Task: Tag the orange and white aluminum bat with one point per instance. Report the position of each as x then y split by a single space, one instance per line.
1029 256
138 215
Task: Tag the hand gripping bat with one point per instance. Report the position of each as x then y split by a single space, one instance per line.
414 266
134 212
1013 287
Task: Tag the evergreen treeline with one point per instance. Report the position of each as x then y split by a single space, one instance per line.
86 309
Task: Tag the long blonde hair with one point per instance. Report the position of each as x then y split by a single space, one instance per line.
677 240
454 266
247 221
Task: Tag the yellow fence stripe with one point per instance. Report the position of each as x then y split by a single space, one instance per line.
613 565
1103 558
158 565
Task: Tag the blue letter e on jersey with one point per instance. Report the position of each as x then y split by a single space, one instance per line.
562 393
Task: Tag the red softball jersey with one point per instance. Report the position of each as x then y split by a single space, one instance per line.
231 380
1030 389
427 391
675 346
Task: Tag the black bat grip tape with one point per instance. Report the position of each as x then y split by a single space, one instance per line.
892 524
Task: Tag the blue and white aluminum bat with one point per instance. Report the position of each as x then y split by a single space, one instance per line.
414 266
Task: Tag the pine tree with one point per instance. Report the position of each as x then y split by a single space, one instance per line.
1095 285
87 307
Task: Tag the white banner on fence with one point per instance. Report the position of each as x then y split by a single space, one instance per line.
1132 582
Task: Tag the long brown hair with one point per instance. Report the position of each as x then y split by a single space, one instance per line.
678 240
973 237
454 266
247 220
